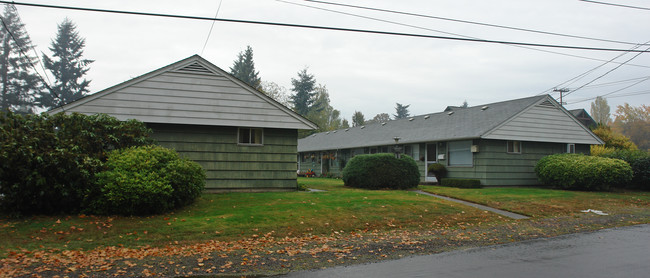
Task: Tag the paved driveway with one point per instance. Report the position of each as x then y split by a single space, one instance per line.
620 252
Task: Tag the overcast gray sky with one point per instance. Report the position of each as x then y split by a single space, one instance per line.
369 72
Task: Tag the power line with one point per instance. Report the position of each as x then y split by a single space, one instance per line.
27 57
34 49
211 26
617 5
326 28
606 73
433 30
574 79
637 93
470 22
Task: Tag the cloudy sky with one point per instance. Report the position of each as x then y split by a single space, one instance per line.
371 72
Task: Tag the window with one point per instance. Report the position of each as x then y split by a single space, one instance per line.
408 150
514 147
250 136
460 153
571 148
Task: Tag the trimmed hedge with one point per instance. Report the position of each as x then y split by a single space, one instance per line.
639 161
381 171
577 171
147 180
461 183
49 161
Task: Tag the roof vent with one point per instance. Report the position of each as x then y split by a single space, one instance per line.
195 68
411 119
363 126
484 108
328 132
313 135
334 131
427 116
383 124
450 112
347 129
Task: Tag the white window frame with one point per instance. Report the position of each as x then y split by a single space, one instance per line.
571 148
514 151
250 138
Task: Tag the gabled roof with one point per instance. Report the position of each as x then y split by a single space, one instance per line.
490 121
584 117
191 91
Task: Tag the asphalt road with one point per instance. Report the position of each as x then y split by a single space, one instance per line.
619 252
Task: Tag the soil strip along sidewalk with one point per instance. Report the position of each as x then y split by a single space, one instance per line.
481 207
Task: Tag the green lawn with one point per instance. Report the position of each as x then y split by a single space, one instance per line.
541 202
231 216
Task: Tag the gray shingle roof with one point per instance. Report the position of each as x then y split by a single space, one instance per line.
463 123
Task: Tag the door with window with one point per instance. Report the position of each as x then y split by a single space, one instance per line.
431 157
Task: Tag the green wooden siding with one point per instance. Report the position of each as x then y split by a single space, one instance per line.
230 166
491 164
495 167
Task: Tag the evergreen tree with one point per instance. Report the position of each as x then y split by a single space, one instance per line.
244 69
465 104
19 83
67 66
402 111
305 95
358 119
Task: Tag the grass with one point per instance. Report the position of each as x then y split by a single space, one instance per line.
541 202
231 216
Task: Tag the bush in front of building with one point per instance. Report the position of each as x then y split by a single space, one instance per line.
582 172
438 170
381 171
147 180
49 162
461 183
641 169
639 160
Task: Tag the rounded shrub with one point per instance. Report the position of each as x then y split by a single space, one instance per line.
638 160
438 170
147 180
381 171
577 171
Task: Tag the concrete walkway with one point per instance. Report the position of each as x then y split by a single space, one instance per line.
481 207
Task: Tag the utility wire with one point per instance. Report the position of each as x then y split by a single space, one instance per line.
27 57
211 26
606 73
574 79
470 22
325 28
637 93
34 49
433 30
617 5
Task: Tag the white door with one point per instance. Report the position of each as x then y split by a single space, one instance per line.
431 157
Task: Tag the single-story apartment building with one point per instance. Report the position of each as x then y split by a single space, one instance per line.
497 143
244 140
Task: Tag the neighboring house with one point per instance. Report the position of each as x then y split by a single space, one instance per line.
584 118
244 140
498 143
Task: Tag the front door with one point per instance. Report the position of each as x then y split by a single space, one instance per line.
325 166
431 157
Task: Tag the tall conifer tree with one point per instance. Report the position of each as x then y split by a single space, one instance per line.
244 69
305 95
18 82
67 66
